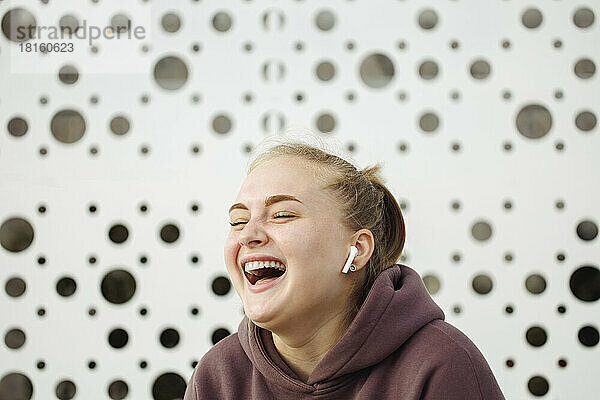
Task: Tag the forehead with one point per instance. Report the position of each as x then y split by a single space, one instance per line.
282 175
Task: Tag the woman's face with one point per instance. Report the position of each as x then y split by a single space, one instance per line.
306 235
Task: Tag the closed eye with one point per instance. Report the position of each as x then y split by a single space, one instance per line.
276 216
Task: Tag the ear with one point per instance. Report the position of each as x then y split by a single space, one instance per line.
364 242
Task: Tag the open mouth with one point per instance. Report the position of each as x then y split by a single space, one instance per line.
262 273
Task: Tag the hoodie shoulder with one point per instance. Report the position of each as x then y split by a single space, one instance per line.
457 369
223 364
224 352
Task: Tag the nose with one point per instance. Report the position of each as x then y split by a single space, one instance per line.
252 234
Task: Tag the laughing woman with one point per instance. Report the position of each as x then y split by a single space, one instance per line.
312 254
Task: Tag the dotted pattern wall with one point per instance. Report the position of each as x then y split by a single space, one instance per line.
119 159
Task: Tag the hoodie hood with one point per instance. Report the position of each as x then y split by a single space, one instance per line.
397 306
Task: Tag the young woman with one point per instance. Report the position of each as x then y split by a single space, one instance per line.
328 314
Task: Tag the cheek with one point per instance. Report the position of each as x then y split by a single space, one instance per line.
230 253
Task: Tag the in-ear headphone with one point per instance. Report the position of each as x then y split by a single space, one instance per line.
349 265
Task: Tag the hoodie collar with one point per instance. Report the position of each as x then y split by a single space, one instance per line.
397 306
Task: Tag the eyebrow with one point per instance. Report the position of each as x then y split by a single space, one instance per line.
268 201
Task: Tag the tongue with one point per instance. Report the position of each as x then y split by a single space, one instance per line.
265 280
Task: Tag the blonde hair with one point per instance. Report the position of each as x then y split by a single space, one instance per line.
362 195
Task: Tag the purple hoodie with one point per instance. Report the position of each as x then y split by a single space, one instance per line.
397 347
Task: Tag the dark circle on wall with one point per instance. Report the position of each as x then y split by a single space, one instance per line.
428 69
273 70
17 126
482 284
558 94
168 386
532 18
325 20
376 70
65 390
534 121
66 286
481 230
169 233
68 24
16 234
15 287
587 230
585 68
325 123
15 386
118 338
170 73
432 283
68 74
536 336
118 390
120 24
583 17
219 334
118 286
169 338
67 126
562 363
585 121
221 285
535 284
429 122
16 23
171 22
538 385
222 21
585 283
588 336
427 19
480 69
118 233
119 125
325 71
221 124
14 338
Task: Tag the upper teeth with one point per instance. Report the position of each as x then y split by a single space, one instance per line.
253 265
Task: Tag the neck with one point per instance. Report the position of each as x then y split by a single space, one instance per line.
302 350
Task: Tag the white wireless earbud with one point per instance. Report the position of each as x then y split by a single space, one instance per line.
353 251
